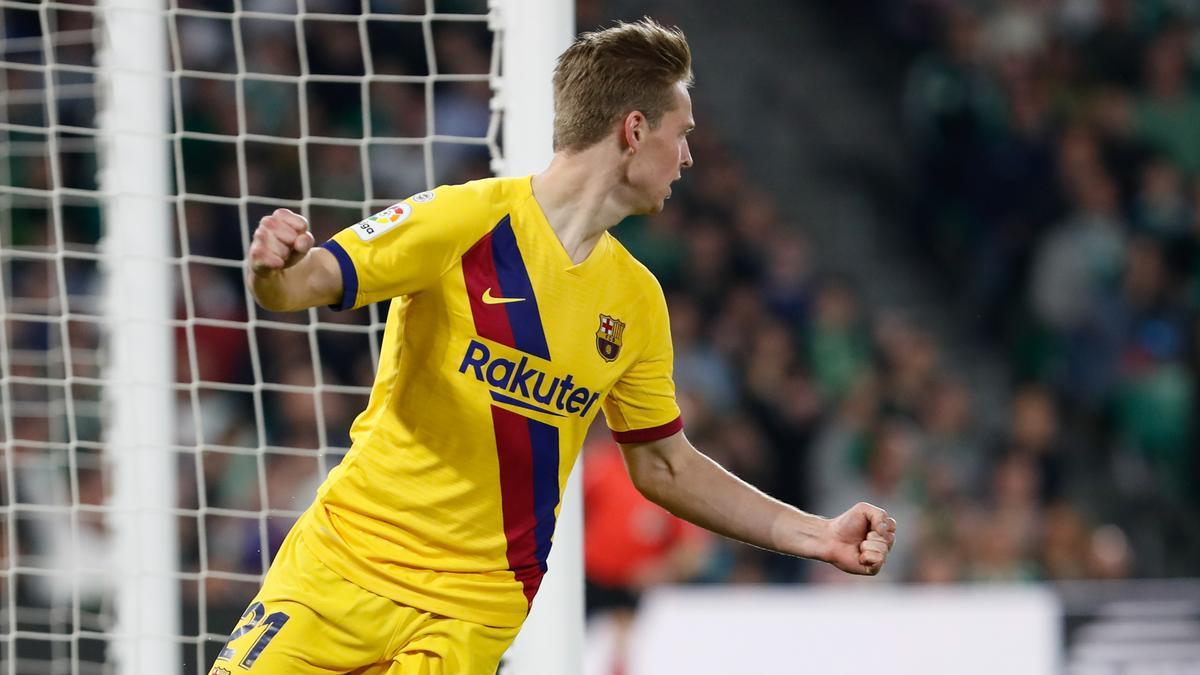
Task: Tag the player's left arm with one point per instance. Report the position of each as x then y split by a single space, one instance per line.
673 474
645 419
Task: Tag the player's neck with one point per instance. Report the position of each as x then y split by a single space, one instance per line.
579 200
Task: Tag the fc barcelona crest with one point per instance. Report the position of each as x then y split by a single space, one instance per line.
608 337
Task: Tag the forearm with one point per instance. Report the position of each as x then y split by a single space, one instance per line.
697 489
303 285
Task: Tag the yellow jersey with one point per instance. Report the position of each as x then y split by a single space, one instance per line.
498 353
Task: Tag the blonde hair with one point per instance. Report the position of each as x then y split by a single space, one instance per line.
608 73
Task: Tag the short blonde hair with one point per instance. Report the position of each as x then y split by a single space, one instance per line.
608 73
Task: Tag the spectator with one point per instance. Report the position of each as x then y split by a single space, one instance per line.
630 545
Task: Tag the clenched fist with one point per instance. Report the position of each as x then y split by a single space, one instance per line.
860 539
281 240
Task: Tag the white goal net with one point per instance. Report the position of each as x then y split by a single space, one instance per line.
122 305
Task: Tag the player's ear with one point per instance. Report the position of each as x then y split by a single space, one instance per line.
633 130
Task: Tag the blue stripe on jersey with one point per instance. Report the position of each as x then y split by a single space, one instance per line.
524 317
544 440
501 398
349 275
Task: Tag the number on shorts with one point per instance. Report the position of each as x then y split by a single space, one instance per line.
273 623
254 618
253 613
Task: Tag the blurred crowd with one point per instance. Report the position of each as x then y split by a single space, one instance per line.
790 381
1056 154
1056 145
1057 149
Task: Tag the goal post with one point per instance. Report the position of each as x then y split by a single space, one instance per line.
139 296
534 33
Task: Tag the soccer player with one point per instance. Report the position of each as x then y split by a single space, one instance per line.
514 319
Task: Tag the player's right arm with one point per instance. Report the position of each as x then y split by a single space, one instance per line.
284 271
398 251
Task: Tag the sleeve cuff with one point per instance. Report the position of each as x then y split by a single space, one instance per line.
649 435
349 275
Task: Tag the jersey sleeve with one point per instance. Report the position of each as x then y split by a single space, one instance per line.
641 406
408 246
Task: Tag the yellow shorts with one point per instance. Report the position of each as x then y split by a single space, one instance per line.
307 619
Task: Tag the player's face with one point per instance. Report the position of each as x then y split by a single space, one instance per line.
664 154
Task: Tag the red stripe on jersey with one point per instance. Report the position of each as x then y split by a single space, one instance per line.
651 434
479 271
515 450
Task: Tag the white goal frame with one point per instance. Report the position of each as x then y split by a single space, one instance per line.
139 306
535 32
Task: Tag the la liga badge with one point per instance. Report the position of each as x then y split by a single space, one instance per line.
383 221
608 337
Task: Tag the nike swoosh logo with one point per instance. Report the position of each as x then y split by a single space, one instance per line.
489 299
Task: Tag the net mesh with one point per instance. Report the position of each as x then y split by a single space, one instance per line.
332 108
